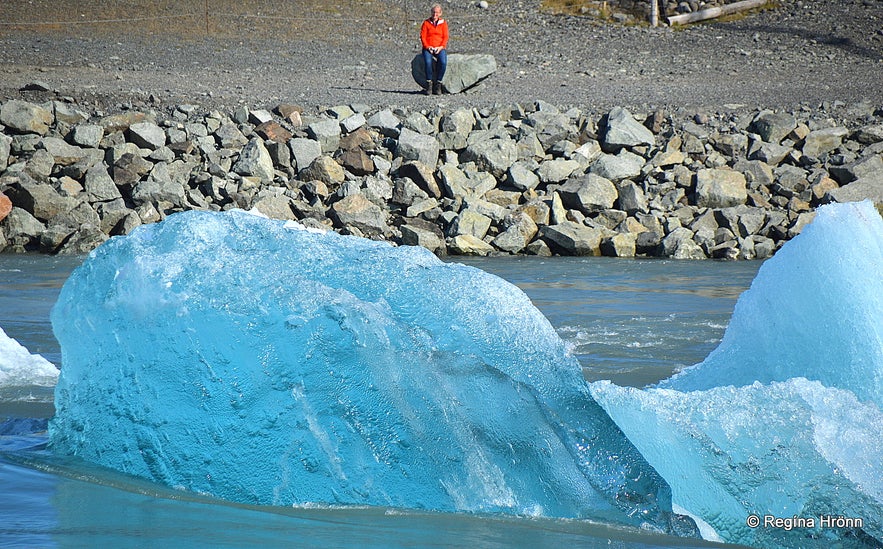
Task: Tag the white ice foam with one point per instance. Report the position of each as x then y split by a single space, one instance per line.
19 368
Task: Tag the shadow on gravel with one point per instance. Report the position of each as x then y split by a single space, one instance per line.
377 90
840 42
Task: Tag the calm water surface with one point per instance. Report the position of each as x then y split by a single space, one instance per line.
631 321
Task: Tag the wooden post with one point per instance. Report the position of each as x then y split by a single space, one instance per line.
654 13
711 13
206 18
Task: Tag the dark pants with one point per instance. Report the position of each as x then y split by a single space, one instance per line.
441 63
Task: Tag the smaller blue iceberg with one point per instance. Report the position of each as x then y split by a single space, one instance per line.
255 361
782 420
815 310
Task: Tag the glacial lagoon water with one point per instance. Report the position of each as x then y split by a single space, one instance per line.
694 304
631 321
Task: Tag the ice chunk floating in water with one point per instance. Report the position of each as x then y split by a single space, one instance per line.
746 433
232 355
815 310
19 368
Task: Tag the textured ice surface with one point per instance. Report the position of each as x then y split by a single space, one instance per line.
783 449
19 368
815 310
745 432
240 357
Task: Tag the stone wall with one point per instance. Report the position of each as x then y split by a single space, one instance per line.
531 179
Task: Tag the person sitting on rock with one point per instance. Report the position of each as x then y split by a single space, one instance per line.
434 37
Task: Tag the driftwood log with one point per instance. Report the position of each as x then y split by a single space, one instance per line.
712 13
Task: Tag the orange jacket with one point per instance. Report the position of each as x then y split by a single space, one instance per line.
434 36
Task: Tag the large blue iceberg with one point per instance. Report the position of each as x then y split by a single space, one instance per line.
253 360
782 420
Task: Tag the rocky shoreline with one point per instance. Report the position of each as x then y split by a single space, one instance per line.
515 179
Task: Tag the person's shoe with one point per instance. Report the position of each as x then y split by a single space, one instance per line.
430 88
438 88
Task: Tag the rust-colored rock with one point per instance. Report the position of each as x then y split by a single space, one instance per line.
359 139
357 162
273 131
182 147
120 122
291 113
5 206
285 110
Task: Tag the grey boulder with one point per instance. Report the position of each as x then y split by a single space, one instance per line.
25 117
623 130
463 70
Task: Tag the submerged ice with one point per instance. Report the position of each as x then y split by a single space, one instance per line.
782 419
784 449
236 356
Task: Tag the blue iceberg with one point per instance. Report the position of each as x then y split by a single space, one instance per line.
781 421
255 361
815 310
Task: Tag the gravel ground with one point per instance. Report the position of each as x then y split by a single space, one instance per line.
801 55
